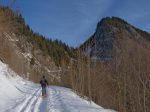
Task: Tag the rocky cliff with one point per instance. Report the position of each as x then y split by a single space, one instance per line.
111 35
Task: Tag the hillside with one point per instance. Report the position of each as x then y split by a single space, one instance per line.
30 53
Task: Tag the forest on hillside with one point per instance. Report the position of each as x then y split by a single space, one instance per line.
122 83
56 49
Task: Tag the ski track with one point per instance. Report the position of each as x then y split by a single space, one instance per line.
55 101
33 101
27 104
20 95
34 105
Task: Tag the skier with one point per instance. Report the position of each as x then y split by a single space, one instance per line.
43 83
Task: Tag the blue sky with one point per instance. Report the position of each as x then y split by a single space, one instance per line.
73 21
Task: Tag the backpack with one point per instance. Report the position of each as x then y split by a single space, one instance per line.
43 82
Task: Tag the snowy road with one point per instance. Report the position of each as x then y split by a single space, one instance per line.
20 95
64 100
59 99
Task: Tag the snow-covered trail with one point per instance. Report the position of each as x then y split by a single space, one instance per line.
28 105
20 95
59 99
65 100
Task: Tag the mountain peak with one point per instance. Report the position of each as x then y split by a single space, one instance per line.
112 21
109 31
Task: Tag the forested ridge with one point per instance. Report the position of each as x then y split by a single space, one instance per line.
56 49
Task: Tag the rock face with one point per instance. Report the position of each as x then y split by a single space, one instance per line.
110 36
104 37
21 57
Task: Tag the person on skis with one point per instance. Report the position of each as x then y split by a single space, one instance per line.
43 83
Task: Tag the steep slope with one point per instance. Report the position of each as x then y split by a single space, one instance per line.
110 35
29 53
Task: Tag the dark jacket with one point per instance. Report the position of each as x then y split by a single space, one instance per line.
43 82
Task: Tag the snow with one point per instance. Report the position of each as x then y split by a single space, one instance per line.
20 95
14 39
65 100
28 56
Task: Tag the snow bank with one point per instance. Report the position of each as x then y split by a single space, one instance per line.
12 88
